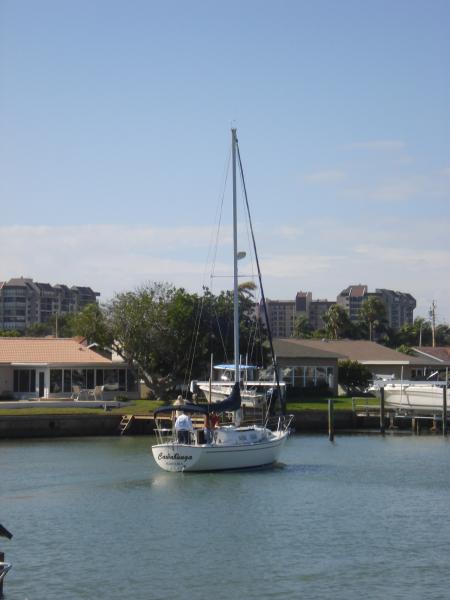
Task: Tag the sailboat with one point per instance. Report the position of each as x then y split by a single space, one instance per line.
230 446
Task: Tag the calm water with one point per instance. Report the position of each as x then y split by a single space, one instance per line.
364 517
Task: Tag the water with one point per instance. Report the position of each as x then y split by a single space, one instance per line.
364 517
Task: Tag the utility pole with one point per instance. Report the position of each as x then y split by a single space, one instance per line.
433 322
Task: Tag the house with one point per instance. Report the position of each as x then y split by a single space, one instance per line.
440 355
51 367
312 362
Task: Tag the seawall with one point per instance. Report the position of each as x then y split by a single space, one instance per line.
12 427
58 426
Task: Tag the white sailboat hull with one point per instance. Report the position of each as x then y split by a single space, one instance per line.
173 456
414 397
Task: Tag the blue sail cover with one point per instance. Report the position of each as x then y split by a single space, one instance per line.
233 402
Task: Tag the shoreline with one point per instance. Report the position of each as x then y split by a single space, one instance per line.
71 425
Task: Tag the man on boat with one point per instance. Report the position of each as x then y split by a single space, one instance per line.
183 427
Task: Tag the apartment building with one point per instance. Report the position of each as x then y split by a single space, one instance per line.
351 300
399 305
316 311
282 313
24 302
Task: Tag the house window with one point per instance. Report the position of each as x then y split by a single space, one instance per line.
56 379
79 377
308 376
25 380
67 378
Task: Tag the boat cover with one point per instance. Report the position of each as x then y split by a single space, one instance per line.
233 402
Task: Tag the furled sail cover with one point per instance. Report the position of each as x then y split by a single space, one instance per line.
233 402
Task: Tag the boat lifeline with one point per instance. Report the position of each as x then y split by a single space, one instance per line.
229 446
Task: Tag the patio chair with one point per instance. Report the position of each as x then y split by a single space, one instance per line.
97 392
76 391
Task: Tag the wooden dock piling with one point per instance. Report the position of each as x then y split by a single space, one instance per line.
382 424
330 419
444 411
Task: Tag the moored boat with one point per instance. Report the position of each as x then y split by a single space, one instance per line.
422 397
230 445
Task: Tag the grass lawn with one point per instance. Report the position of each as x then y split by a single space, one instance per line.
340 403
145 407
134 407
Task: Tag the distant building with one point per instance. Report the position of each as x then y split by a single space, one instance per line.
282 313
399 307
24 302
351 300
316 311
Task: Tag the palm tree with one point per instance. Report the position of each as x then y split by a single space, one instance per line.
336 321
302 327
373 313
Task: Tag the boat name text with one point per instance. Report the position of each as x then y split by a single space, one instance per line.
175 456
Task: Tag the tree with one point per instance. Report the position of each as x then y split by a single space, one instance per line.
352 375
10 333
302 327
336 322
372 313
405 349
443 335
91 323
40 329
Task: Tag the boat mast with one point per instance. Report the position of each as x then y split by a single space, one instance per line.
235 262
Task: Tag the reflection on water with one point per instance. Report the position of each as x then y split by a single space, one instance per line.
95 518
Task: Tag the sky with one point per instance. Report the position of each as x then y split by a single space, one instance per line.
115 120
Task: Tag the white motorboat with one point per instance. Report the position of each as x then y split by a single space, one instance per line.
410 396
229 446
254 394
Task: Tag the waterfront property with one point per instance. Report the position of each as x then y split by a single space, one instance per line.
61 368
314 363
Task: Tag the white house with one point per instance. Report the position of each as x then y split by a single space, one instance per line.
53 367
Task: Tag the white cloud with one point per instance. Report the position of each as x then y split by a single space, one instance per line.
322 256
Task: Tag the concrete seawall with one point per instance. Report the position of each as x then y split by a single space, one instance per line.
58 426
92 425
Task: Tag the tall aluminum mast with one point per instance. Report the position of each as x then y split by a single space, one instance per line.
235 262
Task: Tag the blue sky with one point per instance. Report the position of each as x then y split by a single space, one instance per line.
114 136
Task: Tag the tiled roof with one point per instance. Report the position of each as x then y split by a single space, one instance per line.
64 351
358 290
